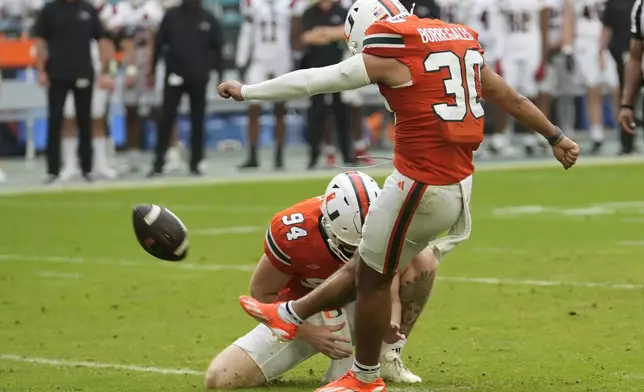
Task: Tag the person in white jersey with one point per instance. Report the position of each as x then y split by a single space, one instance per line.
264 51
524 28
455 11
484 16
142 101
596 67
100 102
559 79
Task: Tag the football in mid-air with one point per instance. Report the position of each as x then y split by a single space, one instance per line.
160 232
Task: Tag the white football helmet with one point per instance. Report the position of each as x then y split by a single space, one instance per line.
345 206
363 13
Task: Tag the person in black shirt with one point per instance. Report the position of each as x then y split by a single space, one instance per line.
633 70
323 37
192 40
615 38
64 31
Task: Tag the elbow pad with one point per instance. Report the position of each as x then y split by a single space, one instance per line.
350 74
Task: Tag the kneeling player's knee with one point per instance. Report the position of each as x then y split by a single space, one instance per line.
212 379
425 261
218 377
231 369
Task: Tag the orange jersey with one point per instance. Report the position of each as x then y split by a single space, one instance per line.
439 118
296 244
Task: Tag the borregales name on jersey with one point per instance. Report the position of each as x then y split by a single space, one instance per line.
441 34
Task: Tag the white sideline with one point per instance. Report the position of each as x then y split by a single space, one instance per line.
264 177
251 267
96 365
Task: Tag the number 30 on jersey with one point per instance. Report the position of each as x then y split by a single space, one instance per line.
294 231
465 94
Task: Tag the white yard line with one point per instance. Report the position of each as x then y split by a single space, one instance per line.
636 243
127 263
191 372
96 365
264 177
59 275
543 283
251 267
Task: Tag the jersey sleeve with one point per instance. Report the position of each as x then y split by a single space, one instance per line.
636 21
384 39
276 245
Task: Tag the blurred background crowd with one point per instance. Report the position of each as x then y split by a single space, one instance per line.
153 85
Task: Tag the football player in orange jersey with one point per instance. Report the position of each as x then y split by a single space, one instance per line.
304 245
433 77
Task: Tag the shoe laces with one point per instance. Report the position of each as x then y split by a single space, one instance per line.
397 361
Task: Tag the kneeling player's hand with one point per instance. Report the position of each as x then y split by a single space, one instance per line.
230 89
566 152
323 339
393 334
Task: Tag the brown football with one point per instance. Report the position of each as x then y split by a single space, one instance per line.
160 232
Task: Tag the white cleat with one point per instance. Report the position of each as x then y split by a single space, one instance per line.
173 160
392 369
69 173
106 173
3 176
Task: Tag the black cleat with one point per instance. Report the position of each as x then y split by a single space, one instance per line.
249 164
51 179
155 173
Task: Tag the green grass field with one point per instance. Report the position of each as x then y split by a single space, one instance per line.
546 296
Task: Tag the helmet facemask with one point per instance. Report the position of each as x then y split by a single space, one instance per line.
340 248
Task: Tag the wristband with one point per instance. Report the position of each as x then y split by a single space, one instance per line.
557 138
625 106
